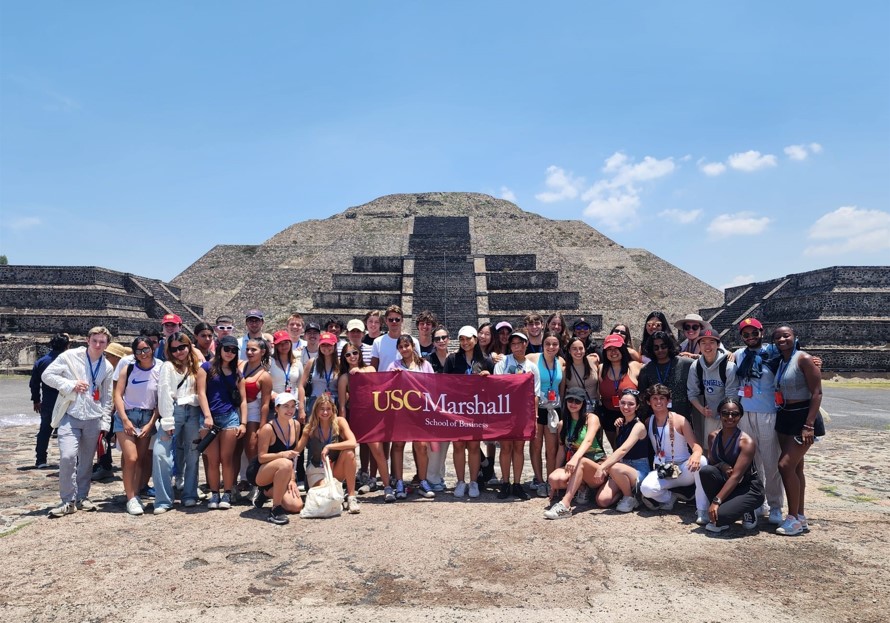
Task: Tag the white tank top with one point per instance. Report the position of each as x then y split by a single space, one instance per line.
660 436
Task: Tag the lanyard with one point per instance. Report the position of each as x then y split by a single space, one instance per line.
286 372
94 372
660 438
616 382
281 433
327 377
550 373
327 441
783 366
667 374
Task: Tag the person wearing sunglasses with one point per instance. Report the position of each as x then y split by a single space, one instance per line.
258 394
655 321
711 378
581 329
730 479
666 367
180 424
136 411
384 351
223 403
350 363
690 328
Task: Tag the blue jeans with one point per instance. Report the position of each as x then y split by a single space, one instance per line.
187 423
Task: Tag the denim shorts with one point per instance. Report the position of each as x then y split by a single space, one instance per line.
227 420
641 465
139 418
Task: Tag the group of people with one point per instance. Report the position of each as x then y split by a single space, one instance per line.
271 409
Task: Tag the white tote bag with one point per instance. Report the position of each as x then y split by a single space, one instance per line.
325 500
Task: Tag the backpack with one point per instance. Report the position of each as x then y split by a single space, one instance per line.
701 374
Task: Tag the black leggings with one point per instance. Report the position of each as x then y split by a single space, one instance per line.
746 498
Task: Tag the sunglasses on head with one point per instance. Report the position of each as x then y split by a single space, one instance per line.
179 349
691 327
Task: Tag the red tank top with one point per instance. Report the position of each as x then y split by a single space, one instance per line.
609 389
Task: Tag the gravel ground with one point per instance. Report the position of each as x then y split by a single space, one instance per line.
445 559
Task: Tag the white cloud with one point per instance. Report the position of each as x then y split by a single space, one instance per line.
816 148
562 185
751 161
711 169
797 152
850 229
508 194
738 280
740 224
614 200
684 217
24 222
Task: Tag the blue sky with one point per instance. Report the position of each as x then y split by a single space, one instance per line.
739 141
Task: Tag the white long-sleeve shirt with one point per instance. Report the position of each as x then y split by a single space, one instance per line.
170 391
71 367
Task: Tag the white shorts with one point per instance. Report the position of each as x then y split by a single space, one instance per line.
253 410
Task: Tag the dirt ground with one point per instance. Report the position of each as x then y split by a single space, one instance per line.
445 559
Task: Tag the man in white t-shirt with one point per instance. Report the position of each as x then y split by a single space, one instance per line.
384 351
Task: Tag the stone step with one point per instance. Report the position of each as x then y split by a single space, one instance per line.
532 300
377 264
522 280
355 300
367 281
495 263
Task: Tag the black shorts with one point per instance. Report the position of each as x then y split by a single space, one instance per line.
790 419
607 419
542 416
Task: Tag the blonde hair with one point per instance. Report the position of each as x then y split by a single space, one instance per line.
312 424
98 331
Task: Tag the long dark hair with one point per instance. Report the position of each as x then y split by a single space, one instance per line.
494 338
584 362
648 338
567 419
667 338
625 360
416 359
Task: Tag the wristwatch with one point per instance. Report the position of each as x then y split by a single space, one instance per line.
716 500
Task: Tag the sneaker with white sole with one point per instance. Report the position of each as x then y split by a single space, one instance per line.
474 489
189 502
460 489
749 521
494 481
352 506
388 496
85 505
66 508
134 507
669 505
438 487
763 511
791 527
804 526
626 504
160 510
558 511
649 503
712 527
425 490
775 516
401 494
701 517
213 503
543 490
278 516
225 501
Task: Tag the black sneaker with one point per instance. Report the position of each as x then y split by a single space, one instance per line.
504 493
260 499
278 516
519 492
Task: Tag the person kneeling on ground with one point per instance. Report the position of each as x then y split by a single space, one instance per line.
328 435
274 463
730 479
577 434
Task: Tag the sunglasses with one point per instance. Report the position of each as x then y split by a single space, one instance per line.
353 353
576 401
230 349
142 351
225 327
660 347
653 324
582 327
691 327
730 414
619 332
747 334
179 349
394 320
441 338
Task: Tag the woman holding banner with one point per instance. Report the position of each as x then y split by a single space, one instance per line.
467 360
409 360
513 450
438 450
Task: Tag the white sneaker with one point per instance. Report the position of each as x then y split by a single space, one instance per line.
425 490
712 527
701 517
134 507
66 508
558 511
626 504
775 516
352 506
460 490
474 489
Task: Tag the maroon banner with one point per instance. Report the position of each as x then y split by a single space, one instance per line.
407 406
